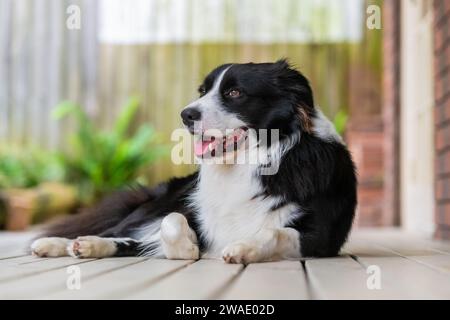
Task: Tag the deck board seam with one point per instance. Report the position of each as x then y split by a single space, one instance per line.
142 286
412 259
222 290
310 291
56 289
38 272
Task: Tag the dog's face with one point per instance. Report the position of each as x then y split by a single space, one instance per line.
237 97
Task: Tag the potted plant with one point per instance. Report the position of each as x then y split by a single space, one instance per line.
31 187
100 161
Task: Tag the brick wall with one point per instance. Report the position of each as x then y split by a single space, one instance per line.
442 116
391 111
366 146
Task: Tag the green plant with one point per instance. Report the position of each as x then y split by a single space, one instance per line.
340 121
102 161
27 167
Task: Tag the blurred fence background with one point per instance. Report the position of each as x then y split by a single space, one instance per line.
159 51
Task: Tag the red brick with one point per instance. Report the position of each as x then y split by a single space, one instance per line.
443 214
442 61
443 189
391 115
442 87
443 138
442 232
442 112
442 163
441 11
439 40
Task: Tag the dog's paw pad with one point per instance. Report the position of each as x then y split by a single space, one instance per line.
240 253
80 248
182 250
91 247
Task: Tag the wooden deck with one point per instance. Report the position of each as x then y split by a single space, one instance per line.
410 268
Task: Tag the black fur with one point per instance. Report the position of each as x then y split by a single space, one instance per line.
318 175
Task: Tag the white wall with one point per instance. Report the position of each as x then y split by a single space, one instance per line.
417 142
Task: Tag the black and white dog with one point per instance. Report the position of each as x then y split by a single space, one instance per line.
233 211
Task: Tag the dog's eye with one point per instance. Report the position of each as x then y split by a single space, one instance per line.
233 93
202 90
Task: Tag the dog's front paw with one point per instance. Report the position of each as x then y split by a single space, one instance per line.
91 247
49 247
240 253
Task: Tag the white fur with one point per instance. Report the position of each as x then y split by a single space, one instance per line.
150 237
82 247
93 247
267 245
227 209
236 225
214 116
170 238
50 247
178 240
324 129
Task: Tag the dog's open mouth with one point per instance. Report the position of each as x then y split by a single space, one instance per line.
207 146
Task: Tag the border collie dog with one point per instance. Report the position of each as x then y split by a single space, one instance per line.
233 209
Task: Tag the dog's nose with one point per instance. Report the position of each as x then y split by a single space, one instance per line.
189 115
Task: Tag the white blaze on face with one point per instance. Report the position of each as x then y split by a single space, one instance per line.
216 122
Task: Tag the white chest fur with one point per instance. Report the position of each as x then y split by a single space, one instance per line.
228 209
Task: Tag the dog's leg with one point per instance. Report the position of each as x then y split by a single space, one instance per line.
98 247
50 247
178 240
267 245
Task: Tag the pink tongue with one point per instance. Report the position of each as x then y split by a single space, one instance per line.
200 147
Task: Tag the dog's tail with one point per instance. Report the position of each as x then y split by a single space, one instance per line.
108 213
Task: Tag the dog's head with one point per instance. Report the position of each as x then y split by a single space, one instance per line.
237 97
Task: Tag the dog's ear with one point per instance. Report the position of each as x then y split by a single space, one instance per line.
283 63
304 114
297 88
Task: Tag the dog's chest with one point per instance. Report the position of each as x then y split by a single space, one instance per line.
230 209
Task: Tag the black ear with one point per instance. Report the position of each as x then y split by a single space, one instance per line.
293 81
283 63
297 87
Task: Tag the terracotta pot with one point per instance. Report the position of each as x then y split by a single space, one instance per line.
25 206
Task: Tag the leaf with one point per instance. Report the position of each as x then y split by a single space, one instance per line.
65 108
126 116
340 121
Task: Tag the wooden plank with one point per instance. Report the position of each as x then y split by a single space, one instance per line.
11 272
204 279
13 244
439 262
18 260
339 278
34 287
405 243
406 279
272 281
13 253
422 252
123 282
